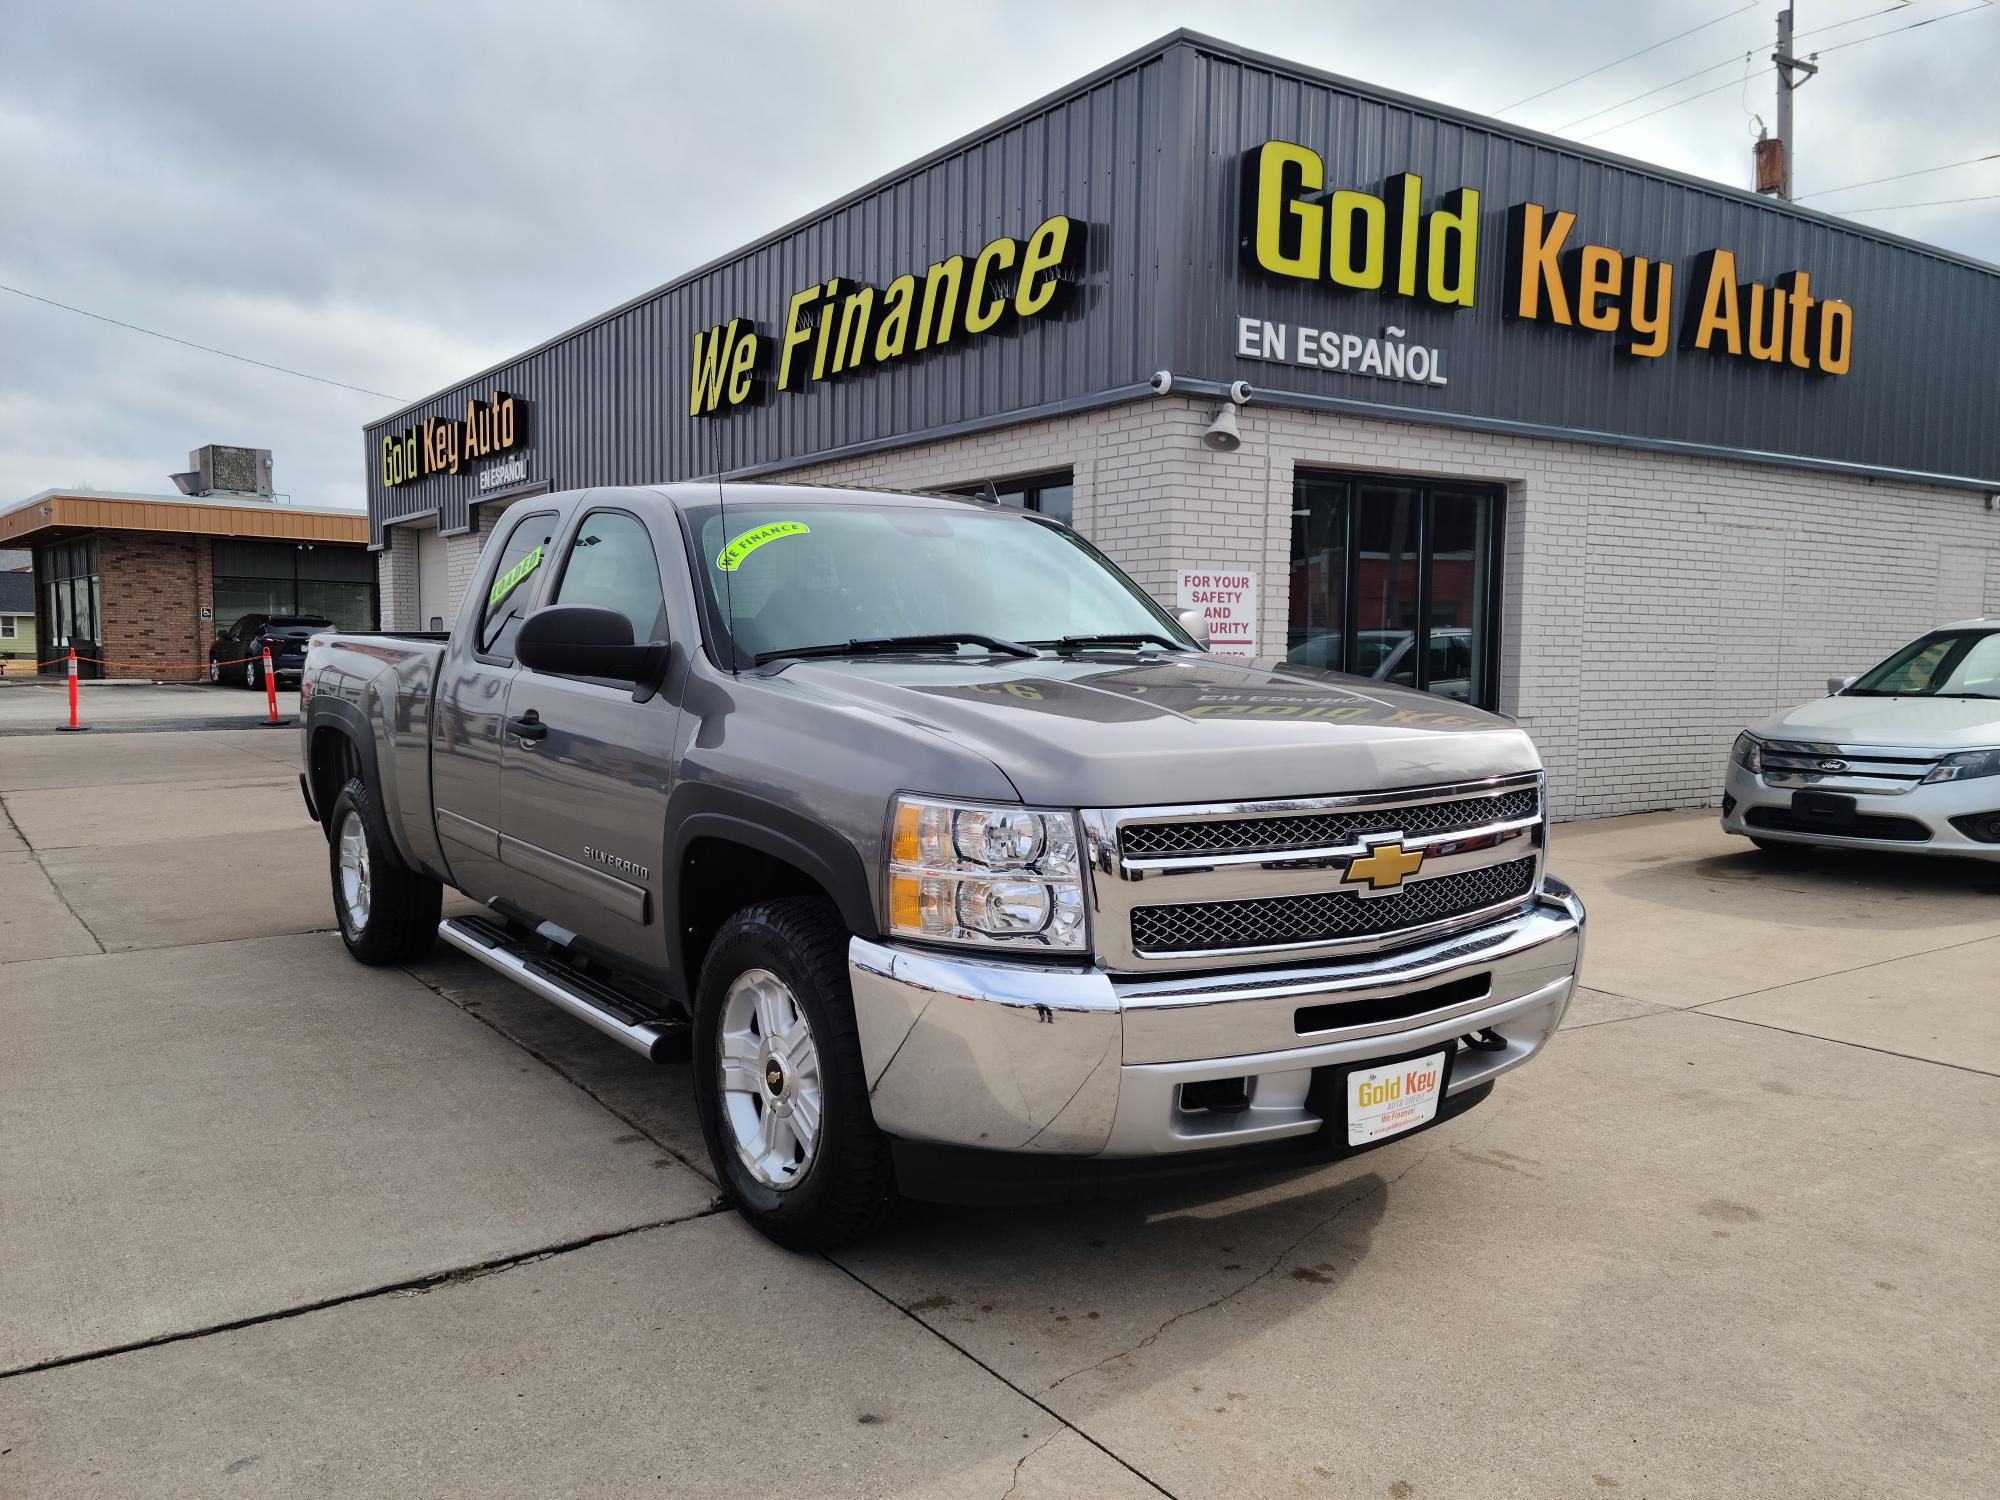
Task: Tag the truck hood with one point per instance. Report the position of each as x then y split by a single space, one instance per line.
1105 730
1915 723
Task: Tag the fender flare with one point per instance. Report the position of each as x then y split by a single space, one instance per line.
347 721
698 810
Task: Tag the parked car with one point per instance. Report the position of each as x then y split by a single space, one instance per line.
285 635
956 864
1905 756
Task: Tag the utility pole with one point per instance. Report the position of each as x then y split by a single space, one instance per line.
1786 65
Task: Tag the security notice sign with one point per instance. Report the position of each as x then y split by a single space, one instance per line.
1227 600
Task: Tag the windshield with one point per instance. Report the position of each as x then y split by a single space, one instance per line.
780 576
1944 664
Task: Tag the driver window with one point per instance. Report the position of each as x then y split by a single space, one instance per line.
611 565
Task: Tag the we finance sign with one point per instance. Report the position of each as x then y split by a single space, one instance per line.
1414 242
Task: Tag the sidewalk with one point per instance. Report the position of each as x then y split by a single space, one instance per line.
38 705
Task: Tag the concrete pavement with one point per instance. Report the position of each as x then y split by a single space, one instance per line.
401 1233
36 705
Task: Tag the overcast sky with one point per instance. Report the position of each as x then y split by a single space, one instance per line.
397 195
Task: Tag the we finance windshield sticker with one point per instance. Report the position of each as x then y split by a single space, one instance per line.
512 579
733 557
730 558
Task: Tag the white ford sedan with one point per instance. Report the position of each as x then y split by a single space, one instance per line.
1906 756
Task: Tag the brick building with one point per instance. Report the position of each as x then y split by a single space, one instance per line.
1632 456
140 584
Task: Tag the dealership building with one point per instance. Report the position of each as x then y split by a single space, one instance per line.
139 585
1379 385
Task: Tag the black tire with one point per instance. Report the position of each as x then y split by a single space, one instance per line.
848 1185
253 676
402 911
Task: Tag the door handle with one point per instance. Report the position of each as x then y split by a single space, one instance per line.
528 726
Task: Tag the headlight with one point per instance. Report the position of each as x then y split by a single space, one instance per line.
998 876
1748 752
1965 766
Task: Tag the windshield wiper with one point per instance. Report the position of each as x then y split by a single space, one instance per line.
1134 639
880 644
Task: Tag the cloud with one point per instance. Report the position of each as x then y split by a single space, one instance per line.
395 196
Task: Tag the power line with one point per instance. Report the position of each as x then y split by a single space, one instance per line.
1726 84
1729 62
1920 172
1554 88
204 348
1883 208
1876 36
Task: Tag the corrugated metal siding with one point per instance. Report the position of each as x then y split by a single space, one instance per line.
1147 154
1925 324
609 404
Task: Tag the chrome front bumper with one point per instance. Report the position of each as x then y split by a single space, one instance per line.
1933 806
1082 1062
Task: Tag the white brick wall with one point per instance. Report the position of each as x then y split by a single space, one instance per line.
396 579
1652 605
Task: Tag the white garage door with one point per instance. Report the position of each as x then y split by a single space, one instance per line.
433 608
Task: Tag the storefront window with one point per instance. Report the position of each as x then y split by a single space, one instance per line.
1047 494
70 609
1394 579
285 578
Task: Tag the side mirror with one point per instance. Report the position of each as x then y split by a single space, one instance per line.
1193 622
584 640
1835 685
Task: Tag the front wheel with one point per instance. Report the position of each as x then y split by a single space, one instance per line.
214 671
779 1081
388 912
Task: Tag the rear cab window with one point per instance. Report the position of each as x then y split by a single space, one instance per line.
512 584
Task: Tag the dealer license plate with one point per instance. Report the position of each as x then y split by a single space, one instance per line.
1394 1097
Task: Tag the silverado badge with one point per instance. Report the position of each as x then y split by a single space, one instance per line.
1385 866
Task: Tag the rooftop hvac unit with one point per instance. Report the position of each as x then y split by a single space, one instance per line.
221 470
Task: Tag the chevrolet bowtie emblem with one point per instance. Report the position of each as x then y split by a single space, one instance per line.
1384 867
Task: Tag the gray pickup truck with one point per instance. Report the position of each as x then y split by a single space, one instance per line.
954 862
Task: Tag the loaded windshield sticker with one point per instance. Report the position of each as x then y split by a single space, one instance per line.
510 580
730 558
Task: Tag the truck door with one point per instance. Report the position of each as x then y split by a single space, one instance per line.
471 699
585 770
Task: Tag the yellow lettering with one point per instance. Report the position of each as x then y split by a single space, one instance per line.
981 314
1767 322
893 332
705 373
1717 311
1648 319
851 349
1534 252
1041 263
1357 221
742 369
1797 286
825 329
1836 337
940 314
1285 173
1452 249
1404 193
797 331
1600 273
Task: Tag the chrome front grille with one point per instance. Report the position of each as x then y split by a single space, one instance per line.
1845 768
1323 830
1293 878
1291 920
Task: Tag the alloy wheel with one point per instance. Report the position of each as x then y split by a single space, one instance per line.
355 883
771 1091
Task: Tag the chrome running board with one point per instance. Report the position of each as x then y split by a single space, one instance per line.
661 1038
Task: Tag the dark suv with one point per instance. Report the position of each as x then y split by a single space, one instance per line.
285 635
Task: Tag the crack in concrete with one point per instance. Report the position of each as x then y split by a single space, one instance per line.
1021 1462
1028 1396
36 856
1283 1255
415 1285
566 1075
